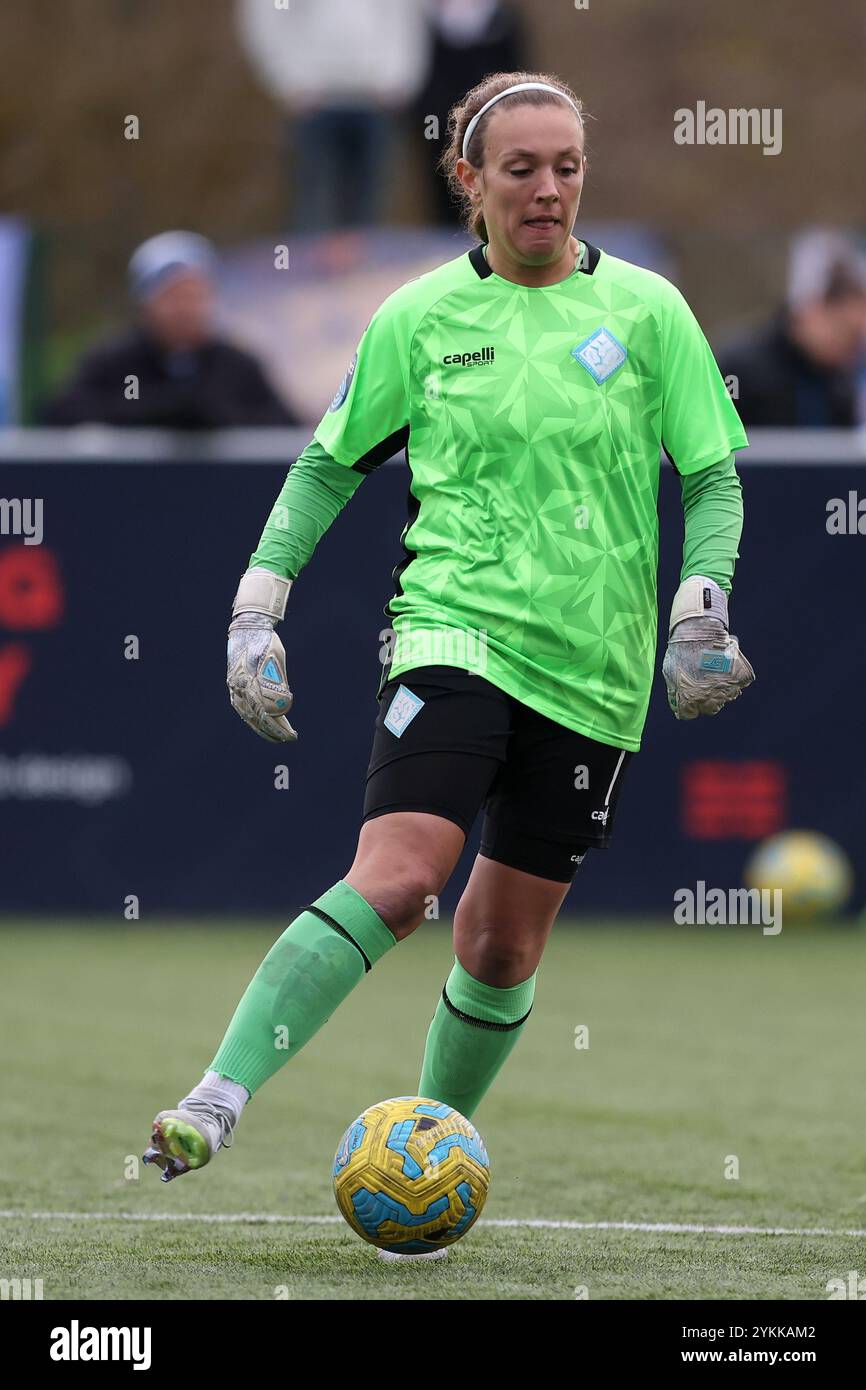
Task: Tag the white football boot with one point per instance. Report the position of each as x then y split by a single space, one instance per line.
188 1138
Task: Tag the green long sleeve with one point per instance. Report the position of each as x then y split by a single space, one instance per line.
316 490
713 512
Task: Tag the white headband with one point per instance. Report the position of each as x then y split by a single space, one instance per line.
520 87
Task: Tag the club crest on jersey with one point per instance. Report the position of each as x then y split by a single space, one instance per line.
402 710
343 388
601 354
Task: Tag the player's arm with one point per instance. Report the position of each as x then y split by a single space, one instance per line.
703 666
365 424
314 493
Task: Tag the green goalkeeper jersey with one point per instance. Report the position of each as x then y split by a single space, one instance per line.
533 421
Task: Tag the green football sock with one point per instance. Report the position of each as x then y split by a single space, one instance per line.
473 1030
311 969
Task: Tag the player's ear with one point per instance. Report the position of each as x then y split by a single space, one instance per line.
468 176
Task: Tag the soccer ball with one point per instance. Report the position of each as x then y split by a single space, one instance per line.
411 1175
813 873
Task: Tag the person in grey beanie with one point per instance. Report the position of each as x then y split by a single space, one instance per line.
170 369
805 368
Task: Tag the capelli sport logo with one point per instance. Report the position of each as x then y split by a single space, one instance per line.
469 359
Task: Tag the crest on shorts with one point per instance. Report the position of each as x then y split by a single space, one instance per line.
402 710
601 354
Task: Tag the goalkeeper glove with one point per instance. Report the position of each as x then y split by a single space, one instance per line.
257 682
703 666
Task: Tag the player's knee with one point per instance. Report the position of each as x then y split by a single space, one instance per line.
418 900
502 959
402 901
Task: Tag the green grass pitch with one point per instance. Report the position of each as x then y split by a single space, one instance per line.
704 1043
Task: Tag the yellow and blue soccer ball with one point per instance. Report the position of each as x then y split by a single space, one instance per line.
813 873
411 1175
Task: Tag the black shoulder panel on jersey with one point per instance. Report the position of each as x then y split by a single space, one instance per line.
413 506
381 452
593 255
479 263
482 269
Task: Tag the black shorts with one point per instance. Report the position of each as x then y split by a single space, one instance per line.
449 742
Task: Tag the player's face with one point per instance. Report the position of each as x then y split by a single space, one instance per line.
180 313
531 181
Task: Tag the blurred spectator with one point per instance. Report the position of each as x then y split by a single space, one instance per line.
470 38
804 368
186 377
343 71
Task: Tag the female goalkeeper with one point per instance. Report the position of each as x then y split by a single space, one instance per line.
533 382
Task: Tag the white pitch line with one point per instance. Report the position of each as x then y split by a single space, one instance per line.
675 1228
239 1218
251 1218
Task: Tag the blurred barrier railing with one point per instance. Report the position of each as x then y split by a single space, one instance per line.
125 775
95 443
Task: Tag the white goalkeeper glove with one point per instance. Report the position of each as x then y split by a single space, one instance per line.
703 666
257 682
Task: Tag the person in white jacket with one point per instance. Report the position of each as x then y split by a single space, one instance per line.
343 72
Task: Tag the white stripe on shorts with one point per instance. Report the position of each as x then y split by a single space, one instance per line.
615 775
